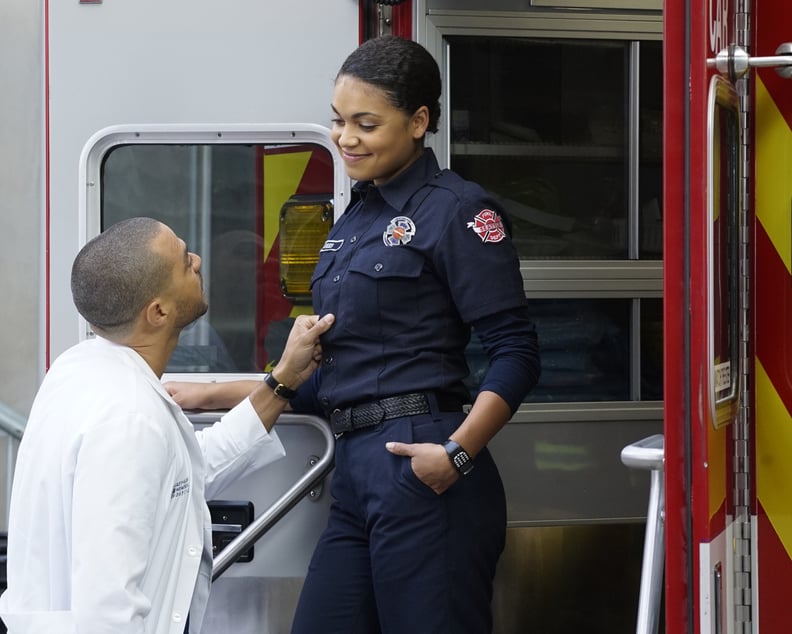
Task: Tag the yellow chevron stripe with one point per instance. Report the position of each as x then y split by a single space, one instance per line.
717 466
773 448
773 179
282 176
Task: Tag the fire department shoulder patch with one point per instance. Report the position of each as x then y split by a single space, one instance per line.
488 226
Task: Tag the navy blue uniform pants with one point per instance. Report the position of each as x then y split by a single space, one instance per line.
395 557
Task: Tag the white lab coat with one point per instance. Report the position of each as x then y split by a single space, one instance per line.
109 531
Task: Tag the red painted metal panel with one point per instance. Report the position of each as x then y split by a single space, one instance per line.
675 299
696 469
401 19
772 303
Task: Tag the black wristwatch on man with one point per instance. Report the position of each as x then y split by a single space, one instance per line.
279 388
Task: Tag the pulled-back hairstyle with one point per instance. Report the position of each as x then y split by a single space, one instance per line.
404 70
117 273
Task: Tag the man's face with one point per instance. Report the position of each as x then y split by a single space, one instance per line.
186 287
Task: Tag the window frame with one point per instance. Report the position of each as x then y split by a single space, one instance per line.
105 140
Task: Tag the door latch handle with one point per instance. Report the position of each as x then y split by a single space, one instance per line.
734 61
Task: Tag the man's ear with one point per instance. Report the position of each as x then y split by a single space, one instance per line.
156 312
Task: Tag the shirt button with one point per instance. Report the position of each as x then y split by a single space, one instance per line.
325 401
328 360
177 617
192 551
336 278
353 239
378 266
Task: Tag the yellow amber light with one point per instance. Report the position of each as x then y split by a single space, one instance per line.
305 221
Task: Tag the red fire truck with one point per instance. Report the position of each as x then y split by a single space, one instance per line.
642 149
727 112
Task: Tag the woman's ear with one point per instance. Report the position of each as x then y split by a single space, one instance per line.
420 122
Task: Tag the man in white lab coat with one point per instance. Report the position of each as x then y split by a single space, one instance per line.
109 531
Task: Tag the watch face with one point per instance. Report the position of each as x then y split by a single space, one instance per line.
463 462
459 457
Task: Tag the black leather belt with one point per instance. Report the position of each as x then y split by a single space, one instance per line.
374 412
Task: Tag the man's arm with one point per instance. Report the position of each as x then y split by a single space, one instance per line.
213 396
299 360
237 444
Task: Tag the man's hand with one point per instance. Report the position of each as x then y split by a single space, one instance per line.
429 462
303 351
300 358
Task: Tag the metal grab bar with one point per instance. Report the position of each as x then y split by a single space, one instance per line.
285 502
11 422
649 453
734 61
264 522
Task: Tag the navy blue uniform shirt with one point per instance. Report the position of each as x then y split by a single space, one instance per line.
407 269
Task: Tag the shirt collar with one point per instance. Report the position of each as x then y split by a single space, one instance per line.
399 190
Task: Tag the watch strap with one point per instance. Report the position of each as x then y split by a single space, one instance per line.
460 458
279 388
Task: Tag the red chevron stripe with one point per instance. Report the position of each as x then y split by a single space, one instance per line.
774 564
773 20
773 288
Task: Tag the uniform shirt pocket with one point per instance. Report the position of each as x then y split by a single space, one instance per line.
320 272
380 296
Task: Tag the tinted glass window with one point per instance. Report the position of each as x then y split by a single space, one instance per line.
227 202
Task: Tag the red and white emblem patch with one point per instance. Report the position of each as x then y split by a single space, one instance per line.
400 231
488 226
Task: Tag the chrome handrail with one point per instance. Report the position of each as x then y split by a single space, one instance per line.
264 522
649 454
11 422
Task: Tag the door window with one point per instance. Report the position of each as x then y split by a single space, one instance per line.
229 203
567 134
724 250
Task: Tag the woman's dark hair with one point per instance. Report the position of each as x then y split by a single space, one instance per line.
404 70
